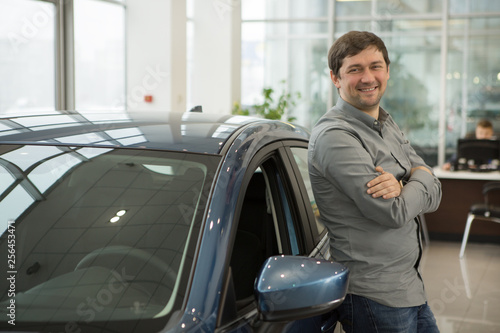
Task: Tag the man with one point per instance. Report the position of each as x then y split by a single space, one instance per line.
370 185
484 131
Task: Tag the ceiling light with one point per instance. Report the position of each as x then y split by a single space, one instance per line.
121 212
117 216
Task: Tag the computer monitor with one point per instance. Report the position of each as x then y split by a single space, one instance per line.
475 154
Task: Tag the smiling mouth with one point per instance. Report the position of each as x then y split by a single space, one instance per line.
368 89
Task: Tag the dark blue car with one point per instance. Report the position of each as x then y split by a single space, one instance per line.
182 222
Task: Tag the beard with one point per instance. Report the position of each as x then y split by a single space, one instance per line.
366 102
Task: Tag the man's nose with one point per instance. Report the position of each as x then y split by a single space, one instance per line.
367 76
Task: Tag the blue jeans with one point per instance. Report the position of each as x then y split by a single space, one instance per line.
361 315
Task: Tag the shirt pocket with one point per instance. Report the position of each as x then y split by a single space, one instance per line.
401 154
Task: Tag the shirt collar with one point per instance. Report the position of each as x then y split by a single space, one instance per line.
356 113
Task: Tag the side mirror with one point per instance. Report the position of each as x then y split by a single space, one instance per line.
294 287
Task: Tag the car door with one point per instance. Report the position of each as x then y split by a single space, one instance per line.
272 220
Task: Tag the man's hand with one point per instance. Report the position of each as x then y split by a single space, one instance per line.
385 185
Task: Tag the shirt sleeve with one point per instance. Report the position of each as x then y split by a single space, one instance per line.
341 158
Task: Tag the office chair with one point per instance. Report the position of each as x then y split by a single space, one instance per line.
483 211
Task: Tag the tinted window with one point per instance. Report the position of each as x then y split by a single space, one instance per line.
288 217
266 227
300 156
97 236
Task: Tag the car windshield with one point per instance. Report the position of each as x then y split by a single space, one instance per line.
97 237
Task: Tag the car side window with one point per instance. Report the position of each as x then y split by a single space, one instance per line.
300 157
266 227
288 217
255 238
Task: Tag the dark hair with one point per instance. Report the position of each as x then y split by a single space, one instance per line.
352 43
484 123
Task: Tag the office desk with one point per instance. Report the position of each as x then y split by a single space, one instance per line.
461 189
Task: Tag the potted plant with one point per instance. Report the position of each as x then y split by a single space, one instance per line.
270 108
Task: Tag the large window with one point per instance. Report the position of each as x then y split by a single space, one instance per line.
286 41
433 105
59 55
27 56
473 71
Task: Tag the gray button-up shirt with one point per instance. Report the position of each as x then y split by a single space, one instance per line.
378 239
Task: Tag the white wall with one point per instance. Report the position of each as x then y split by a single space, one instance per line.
156 55
216 55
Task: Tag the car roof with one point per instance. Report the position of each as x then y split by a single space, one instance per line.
189 131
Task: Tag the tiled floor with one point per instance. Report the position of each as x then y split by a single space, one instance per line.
464 294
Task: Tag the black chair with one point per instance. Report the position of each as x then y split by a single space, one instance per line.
483 211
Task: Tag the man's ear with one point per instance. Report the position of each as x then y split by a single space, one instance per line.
335 79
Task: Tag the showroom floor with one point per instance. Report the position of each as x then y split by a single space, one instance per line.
463 294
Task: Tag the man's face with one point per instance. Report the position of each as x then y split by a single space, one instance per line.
484 133
362 79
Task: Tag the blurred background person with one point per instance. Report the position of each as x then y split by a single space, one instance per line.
484 131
